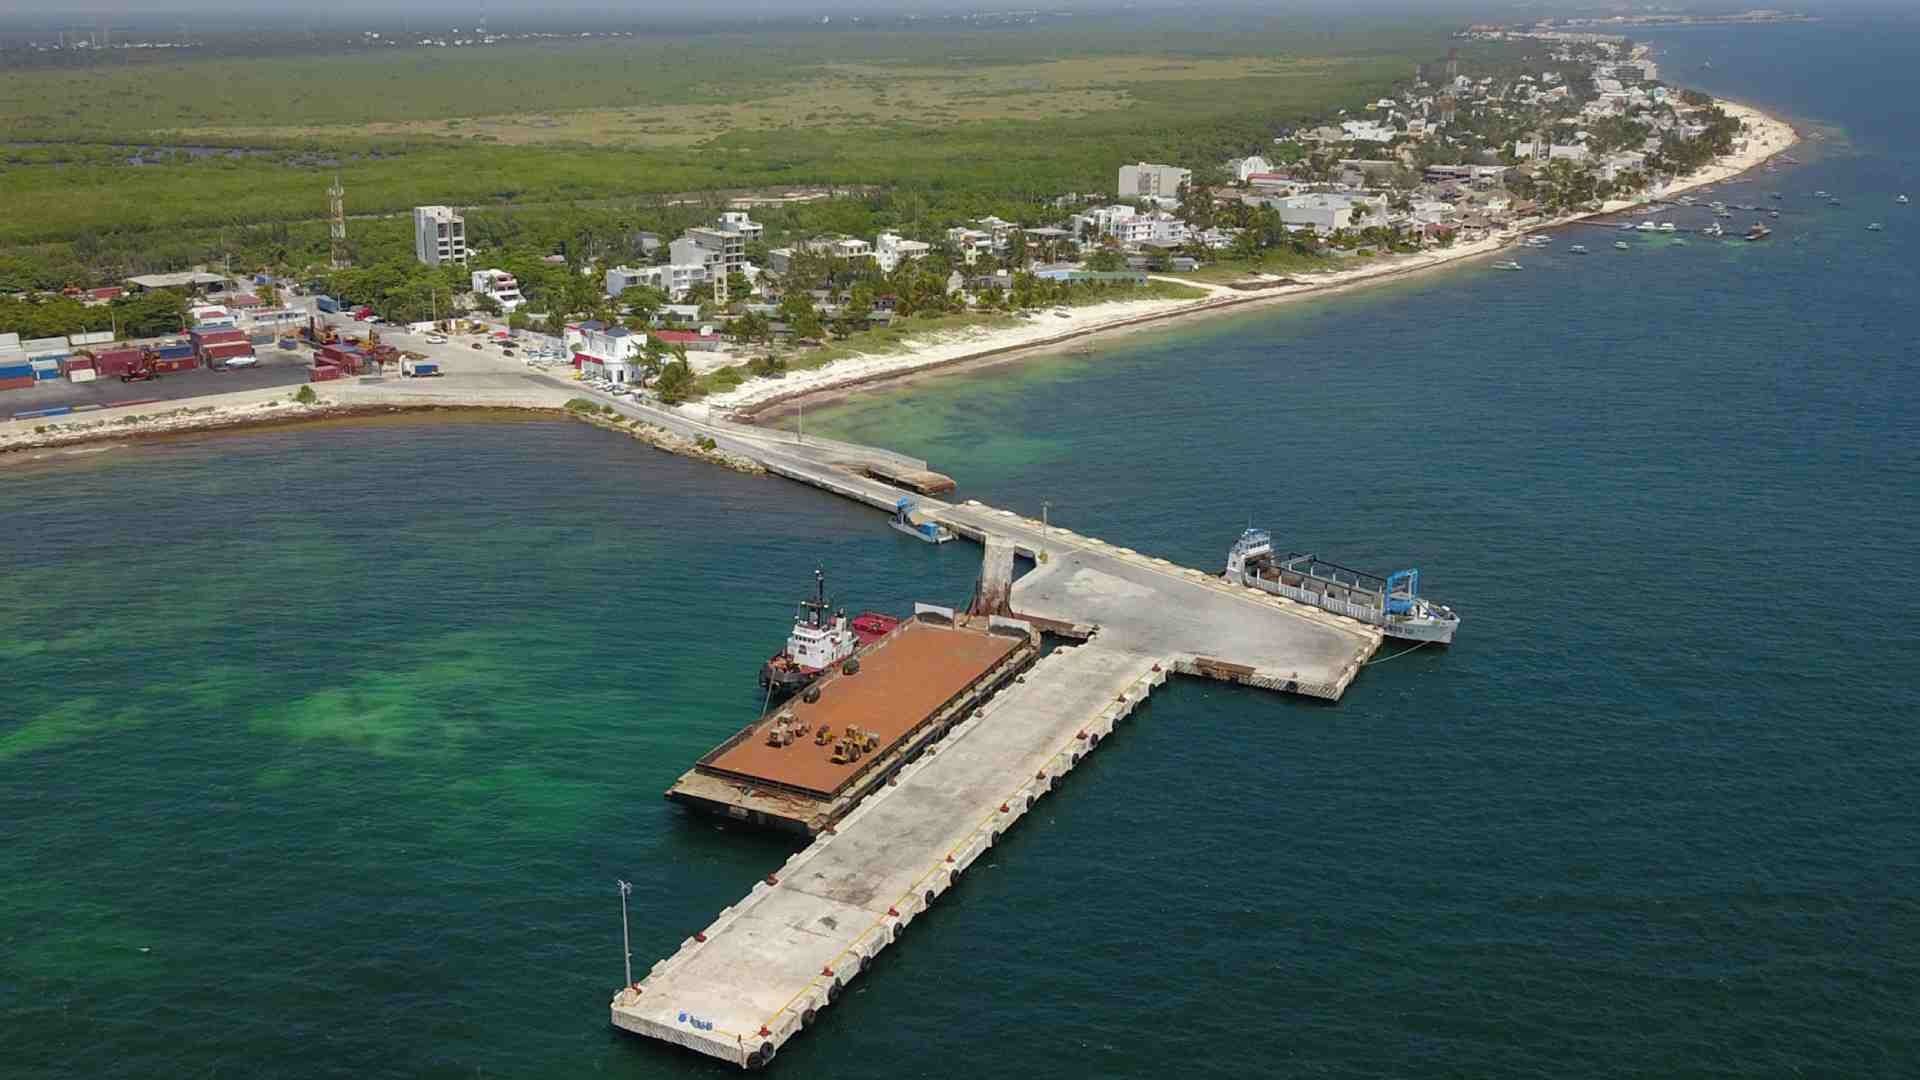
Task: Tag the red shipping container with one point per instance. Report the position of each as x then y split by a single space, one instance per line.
317 373
117 361
209 337
77 363
229 348
183 364
16 384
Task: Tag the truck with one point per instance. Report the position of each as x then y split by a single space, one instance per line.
419 369
327 304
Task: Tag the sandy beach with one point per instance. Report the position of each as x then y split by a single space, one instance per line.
1045 331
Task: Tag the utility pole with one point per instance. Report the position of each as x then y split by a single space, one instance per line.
626 944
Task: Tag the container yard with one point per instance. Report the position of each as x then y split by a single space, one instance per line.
804 765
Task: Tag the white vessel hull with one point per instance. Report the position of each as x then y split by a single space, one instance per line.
1410 628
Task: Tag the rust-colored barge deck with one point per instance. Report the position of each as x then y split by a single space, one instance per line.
805 764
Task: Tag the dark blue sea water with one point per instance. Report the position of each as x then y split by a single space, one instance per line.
320 749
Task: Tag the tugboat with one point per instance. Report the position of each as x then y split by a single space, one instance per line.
1392 603
819 641
1759 232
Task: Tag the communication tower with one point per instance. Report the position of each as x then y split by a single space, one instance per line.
337 223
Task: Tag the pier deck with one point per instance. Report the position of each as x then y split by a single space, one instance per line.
755 977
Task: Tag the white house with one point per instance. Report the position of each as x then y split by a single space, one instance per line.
890 250
499 285
606 351
970 243
1367 131
1242 168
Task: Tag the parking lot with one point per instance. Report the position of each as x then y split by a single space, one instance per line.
275 368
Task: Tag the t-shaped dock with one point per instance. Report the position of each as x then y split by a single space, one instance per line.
739 988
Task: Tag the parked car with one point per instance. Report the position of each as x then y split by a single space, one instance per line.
436 339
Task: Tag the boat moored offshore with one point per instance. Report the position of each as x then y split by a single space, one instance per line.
1392 603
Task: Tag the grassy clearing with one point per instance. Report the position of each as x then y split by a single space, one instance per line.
1227 270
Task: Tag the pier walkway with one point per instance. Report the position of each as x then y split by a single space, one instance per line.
761 971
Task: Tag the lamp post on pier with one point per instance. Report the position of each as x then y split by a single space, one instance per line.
626 944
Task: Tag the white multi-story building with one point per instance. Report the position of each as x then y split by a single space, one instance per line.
1321 213
439 236
499 285
970 243
674 279
1152 181
891 249
719 250
737 221
1105 220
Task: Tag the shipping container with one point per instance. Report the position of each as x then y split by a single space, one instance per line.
185 363
419 369
94 337
117 361
180 351
22 370
18 383
205 336
327 304
322 373
75 363
82 374
46 346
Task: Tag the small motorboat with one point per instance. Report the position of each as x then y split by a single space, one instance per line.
1578 249
1628 227
1902 200
1647 226
1875 227
907 520
1621 245
1668 226
1508 264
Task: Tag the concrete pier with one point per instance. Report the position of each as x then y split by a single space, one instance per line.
743 985
762 970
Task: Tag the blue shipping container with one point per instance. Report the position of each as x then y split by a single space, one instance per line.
38 414
46 374
16 371
174 352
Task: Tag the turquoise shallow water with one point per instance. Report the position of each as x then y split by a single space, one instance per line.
351 728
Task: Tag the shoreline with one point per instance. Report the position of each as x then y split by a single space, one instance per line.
763 400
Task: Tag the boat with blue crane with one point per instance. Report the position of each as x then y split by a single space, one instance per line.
1392 603
916 524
